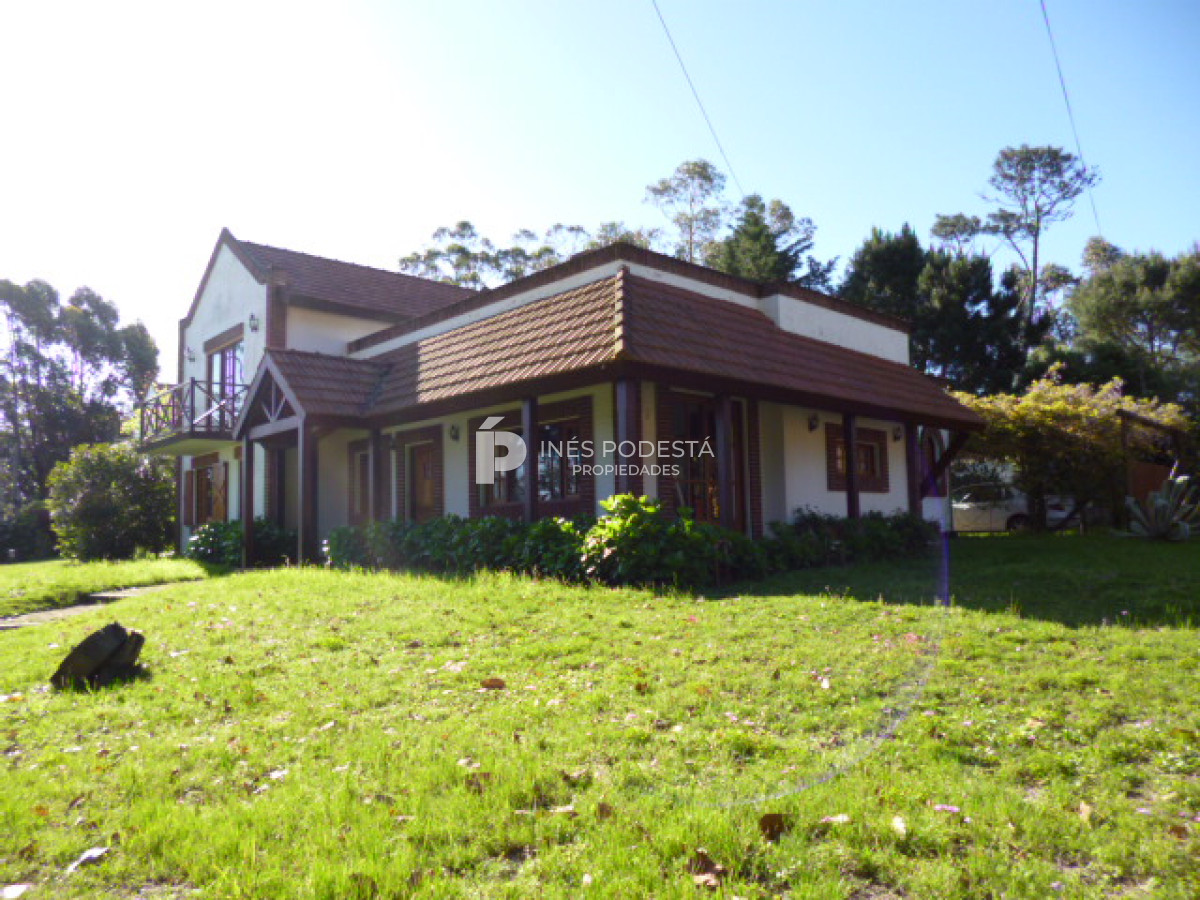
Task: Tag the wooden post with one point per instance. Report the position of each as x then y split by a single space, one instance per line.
377 509
725 473
247 503
913 465
850 443
529 430
625 412
308 544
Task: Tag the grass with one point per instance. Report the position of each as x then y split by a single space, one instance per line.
314 734
35 586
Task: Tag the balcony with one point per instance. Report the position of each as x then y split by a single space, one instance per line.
190 418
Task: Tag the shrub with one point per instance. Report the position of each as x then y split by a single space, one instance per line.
216 544
635 543
1167 514
108 502
28 533
220 544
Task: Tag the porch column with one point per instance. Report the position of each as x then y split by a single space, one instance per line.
850 442
247 503
913 464
725 473
377 506
307 541
627 415
529 429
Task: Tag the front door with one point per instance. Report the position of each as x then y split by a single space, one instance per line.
421 485
697 484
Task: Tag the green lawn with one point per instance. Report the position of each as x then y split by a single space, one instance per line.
310 734
30 587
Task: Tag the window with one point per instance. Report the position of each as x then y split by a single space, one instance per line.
206 491
870 463
225 369
559 459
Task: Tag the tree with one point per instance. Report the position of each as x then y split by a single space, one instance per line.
961 327
67 374
769 244
1066 438
1144 306
108 502
461 255
691 198
1033 187
973 331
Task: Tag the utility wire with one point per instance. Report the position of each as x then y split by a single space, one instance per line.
1070 113
699 102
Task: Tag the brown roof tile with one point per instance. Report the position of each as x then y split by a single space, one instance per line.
362 288
681 330
328 385
617 318
564 333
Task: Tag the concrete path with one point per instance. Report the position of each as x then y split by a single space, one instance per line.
100 598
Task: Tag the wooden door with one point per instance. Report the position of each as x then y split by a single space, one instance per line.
422 486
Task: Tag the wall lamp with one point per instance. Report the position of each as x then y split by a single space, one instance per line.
898 433
814 422
191 355
254 323
454 432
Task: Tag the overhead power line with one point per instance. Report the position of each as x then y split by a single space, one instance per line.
1070 113
699 102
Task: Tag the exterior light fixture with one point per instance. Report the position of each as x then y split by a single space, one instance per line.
898 433
254 323
454 432
191 355
814 422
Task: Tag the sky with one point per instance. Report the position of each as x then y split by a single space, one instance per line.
133 132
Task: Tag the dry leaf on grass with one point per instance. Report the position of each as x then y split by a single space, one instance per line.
706 872
493 684
774 826
478 782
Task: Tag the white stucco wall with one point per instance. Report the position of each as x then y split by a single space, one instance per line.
322 332
804 476
833 327
230 295
333 464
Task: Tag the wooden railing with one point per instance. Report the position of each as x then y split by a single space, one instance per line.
192 409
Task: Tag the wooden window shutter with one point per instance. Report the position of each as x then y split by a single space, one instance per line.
220 490
189 498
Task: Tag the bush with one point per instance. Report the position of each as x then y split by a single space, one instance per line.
220 544
28 533
635 543
108 502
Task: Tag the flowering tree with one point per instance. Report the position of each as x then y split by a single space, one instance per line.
1066 439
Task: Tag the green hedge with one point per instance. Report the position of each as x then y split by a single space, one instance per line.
634 543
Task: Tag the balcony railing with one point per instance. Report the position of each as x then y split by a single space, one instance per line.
192 410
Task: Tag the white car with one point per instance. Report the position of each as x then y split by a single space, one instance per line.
992 506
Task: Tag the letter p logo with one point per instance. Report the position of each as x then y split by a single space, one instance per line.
487 464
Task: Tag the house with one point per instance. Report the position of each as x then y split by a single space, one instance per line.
321 393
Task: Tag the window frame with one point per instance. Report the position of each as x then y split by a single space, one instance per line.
872 446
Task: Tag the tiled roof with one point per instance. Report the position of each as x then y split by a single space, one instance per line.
569 331
699 334
370 290
619 318
328 385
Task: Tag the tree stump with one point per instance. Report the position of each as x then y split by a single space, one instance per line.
101 658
